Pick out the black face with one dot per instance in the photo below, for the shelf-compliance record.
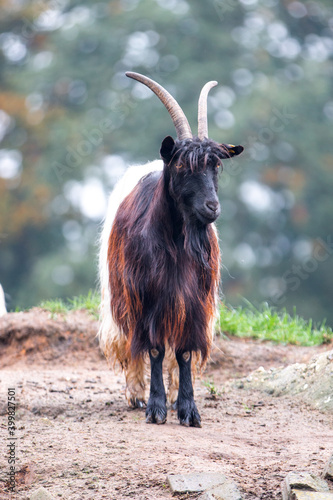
(193, 167)
(196, 192)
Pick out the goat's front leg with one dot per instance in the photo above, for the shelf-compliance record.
(187, 411)
(156, 412)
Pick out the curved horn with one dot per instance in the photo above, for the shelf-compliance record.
(202, 110)
(179, 119)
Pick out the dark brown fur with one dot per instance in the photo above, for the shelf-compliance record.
(164, 269)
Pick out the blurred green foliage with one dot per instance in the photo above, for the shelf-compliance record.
(70, 121)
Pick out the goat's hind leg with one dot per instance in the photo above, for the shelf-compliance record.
(187, 411)
(135, 383)
(156, 412)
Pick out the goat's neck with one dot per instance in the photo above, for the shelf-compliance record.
(164, 215)
(179, 234)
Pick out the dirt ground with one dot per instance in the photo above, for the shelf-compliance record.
(78, 439)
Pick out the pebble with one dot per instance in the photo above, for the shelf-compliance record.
(41, 494)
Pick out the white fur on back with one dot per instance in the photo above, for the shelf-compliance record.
(3, 309)
(108, 329)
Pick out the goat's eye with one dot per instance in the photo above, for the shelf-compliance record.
(217, 165)
(178, 166)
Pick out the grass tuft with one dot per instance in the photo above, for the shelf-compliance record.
(266, 323)
(212, 389)
(88, 302)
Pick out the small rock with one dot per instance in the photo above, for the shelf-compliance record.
(191, 483)
(310, 495)
(328, 473)
(54, 388)
(261, 369)
(302, 481)
(46, 421)
(41, 494)
(226, 491)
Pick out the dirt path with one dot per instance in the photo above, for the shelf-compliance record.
(77, 438)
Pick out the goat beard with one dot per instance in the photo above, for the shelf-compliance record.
(197, 242)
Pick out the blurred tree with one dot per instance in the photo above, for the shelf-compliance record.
(70, 121)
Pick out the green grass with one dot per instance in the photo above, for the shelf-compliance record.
(88, 302)
(266, 323)
(263, 323)
(212, 389)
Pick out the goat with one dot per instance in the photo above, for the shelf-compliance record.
(159, 263)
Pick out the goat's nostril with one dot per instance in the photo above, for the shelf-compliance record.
(212, 205)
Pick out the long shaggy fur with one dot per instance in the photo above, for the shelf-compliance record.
(161, 294)
(111, 338)
(159, 273)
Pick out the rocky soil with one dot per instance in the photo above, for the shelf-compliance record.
(75, 436)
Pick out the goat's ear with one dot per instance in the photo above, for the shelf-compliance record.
(232, 150)
(167, 147)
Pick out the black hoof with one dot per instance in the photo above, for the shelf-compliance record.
(156, 413)
(188, 414)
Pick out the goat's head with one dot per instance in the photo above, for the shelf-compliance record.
(191, 164)
(192, 168)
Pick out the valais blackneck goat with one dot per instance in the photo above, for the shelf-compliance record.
(159, 264)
